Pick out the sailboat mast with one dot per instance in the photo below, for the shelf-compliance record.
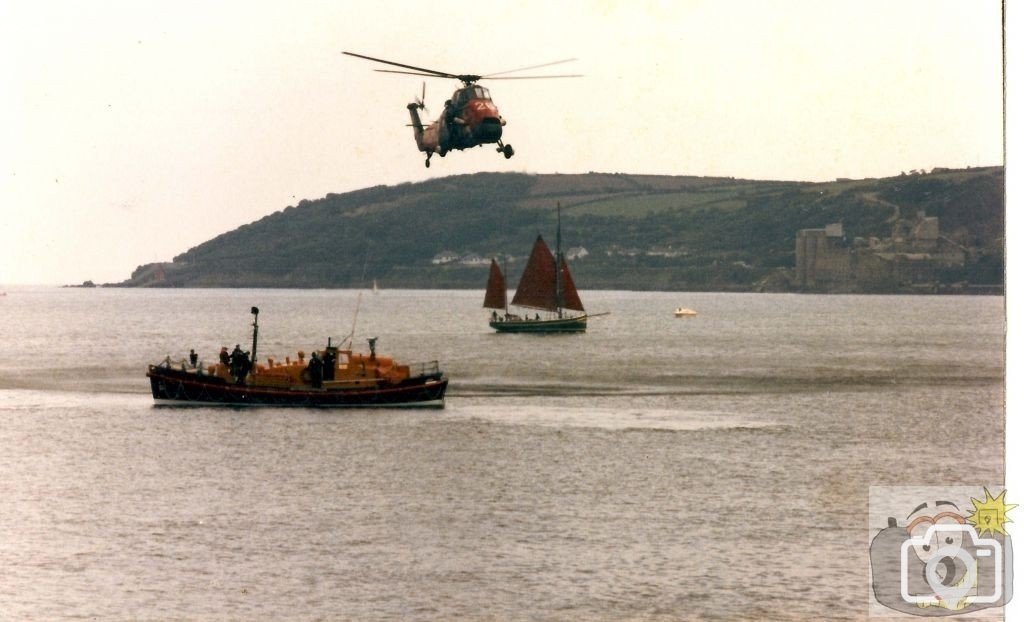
(504, 288)
(558, 259)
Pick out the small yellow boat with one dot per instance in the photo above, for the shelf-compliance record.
(682, 312)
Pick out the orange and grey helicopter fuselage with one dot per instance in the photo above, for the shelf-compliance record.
(470, 119)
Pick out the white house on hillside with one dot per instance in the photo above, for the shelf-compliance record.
(444, 257)
(576, 252)
(472, 259)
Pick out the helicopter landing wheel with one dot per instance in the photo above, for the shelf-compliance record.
(426, 162)
(508, 151)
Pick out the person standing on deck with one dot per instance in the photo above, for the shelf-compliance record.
(316, 370)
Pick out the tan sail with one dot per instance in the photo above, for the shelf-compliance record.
(570, 298)
(537, 285)
(497, 294)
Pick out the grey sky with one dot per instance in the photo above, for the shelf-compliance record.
(136, 130)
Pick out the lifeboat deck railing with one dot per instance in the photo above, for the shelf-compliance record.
(182, 364)
(426, 369)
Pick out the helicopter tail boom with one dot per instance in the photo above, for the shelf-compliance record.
(417, 125)
(426, 138)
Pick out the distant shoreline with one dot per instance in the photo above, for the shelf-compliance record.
(976, 290)
(922, 232)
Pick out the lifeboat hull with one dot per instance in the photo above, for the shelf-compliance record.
(177, 387)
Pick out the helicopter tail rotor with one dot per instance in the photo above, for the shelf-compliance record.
(419, 100)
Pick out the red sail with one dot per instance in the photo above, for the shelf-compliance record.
(570, 297)
(497, 294)
(537, 285)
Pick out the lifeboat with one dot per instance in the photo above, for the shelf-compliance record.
(682, 312)
(332, 377)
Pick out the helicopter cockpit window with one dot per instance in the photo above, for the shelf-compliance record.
(481, 93)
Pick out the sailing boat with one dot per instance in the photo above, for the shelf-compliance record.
(546, 285)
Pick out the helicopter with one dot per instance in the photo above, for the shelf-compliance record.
(470, 117)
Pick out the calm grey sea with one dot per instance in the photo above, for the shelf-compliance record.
(653, 468)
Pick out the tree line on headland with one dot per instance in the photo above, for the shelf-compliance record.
(673, 233)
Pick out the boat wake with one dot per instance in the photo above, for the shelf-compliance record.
(630, 419)
(743, 382)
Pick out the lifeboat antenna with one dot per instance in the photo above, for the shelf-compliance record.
(359, 298)
(355, 316)
(255, 331)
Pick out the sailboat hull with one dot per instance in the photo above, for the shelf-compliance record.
(558, 325)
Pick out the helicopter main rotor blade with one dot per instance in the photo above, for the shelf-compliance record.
(414, 73)
(573, 75)
(557, 62)
(388, 62)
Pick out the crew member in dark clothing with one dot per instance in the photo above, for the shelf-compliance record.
(193, 358)
(235, 363)
(316, 370)
(329, 360)
(449, 123)
(244, 367)
(224, 358)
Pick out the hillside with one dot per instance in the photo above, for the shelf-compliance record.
(639, 232)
